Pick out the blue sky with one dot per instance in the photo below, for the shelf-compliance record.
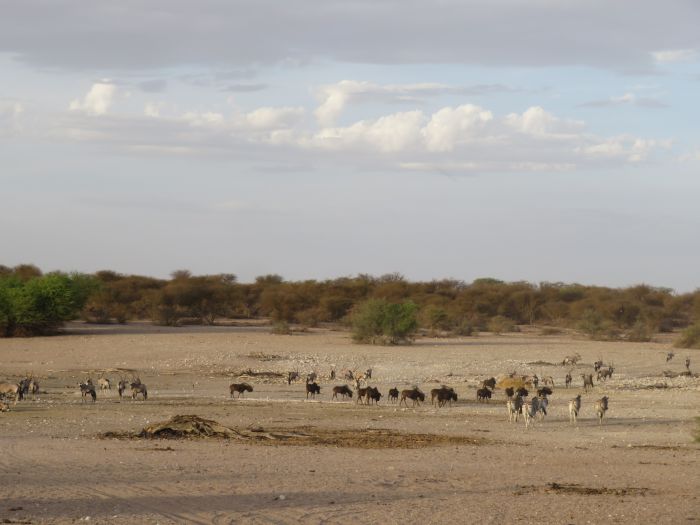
(541, 141)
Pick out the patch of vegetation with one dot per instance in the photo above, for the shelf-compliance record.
(696, 433)
(690, 338)
(501, 324)
(281, 328)
(550, 330)
(379, 321)
(640, 333)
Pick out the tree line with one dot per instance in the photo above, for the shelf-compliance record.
(35, 303)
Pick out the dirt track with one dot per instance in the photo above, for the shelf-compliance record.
(473, 466)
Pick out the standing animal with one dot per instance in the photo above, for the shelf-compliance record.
(11, 389)
(34, 387)
(348, 374)
(687, 364)
(601, 406)
(313, 389)
(535, 380)
(514, 405)
(310, 378)
(530, 410)
(361, 394)
(121, 387)
(87, 389)
(332, 374)
(241, 388)
(544, 403)
(483, 394)
(414, 394)
(373, 394)
(598, 365)
(394, 395)
(509, 392)
(548, 381)
(368, 373)
(587, 381)
(446, 396)
(344, 391)
(137, 387)
(435, 393)
(571, 359)
(605, 373)
(489, 383)
(522, 392)
(292, 376)
(567, 380)
(104, 384)
(669, 356)
(574, 408)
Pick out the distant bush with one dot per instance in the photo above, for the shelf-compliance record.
(378, 321)
(466, 329)
(550, 330)
(689, 338)
(640, 333)
(500, 325)
(280, 328)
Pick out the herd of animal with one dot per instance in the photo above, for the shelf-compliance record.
(517, 402)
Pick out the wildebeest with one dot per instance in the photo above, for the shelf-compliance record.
(567, 380)
(394, 395)
(687, 364)
(332, 374)
(445, 396)
(87, 389)
(373, 394)
(414, 394)
(544, 403)
(104, 383)
(11, 389)
(343, 390)
(535, 380)
(241, 388)
(544, 391)
(489, 383)
(522, 392)
(514, 405)
(483, 394)
(509, 392)
(605, 373)
(598, 365)
(121, 387)
(435, 391)
(311, 377)
(574, 408)
(601, 406)
(587, 381)
(361, 394)
(292, 376)
(137, 387)
(313, 389)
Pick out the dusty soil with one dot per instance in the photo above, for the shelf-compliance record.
(336, 461)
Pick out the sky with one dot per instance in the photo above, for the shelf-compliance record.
(541, 140)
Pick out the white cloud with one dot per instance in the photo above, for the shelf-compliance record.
(274, 117)
(674, 55)
(451, 126)
(537, 122)
(208, 118)
(98, 100)
(152, 109)
(627, 99)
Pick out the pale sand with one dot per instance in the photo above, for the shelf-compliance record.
(641, 465)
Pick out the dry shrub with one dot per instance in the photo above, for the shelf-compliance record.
(513, 382)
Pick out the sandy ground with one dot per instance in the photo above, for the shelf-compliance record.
(640, 466)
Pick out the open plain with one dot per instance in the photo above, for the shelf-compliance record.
(343, 462)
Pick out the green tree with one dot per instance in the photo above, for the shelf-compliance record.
(378, 321)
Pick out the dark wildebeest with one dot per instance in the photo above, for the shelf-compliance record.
(88, 389)
(509, 392)
(522, 392)
(435, 393)
(137, 387)
(483, 394)
(567, 380)
(373, 394)
(332, 374)
(313, 389)
(361, 394)
(605, 373)
(241, 388)
(292, 376)
(344, 391)
(535, 380)
(393, 395)
(489, 383)
(544, 391)
(446, 395)
(598, 365)
(514, 405)
(121, 387)
(414, 394)
(587, 381)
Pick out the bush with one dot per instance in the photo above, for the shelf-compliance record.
(281, 328)
(640, 333)
(500, 324)
(689, 338)
(378, 321)
(550, 330)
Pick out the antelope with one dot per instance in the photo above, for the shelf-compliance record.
(310, 378)
(104, 384)
(121, 387)
(313, 389)
(332, 374)
(292, 376)
(394, 395)
(604, 374)
(571, 359)
(348, 374)
(241, 388)
(598, 365)
(137, 387)
(87, 389)
(535, 380)
(687, 364)
(413, 394)
(547, 381)
(574, 408)
(587, 381)
(568, 379)
(601, 406)
(435, 393)
(361, 393)
(13, 389)
(446, 396)
(344, 391)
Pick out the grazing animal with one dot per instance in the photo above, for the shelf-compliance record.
(522, 392)
(544, 403)
(605, 373)
(11, 389)
(344, 391)
(544, 391)
(394, 395)
(292, 376)
(414, 394)
(669, 356)
(373, 394)
(104, 383)
(510, 391)
(446, 396)
(489, 383)
(571, 359)
(87, 389)
(361, 394)
(530, 410)
(310, 378)
(121, 387)
(313, 389)
(137, 387)
(598, 365)
(514, 405)
(601, 406)
(574, 408)
(483, 394)
(24, 386)
(587, 381)
(435, 393)
(241, 388)
(567, 380)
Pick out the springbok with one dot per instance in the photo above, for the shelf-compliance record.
(601, 406)
(241, 388)
(104, 384)
(11, 389)
(574, 408)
